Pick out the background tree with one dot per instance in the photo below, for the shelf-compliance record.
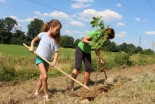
(67, 41)
(76, 42)
(148, 52)
(131, 49)
(18, 37)
(1, 25)
(113, 47)
(109, 46)
(9, 24)
(5, 37)
(11, 35)
(6, 27)
(1, 30)
(139, 49)
(123, 47)
(34, 28)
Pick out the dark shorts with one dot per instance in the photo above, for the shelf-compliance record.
(39, 60)
(82, 56)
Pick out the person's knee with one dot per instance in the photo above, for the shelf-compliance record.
(88, 70)
(43, 76)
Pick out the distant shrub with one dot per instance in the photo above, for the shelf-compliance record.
(25, 74)
(7, 73)
(10, 74)
(123, 59)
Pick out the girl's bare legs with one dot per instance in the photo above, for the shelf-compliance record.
(43, 79)
(39, 84)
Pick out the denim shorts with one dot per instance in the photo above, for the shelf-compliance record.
(39, 60)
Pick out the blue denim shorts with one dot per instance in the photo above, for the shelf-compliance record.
(39, 60)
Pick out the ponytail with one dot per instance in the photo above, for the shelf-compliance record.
(52, 23)
(45, 27)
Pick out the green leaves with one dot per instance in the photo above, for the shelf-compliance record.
(98, 39)
(101, 25)
(95, 22)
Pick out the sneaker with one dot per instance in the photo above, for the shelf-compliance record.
(46, 98)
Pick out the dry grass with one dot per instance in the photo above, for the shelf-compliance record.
(136, 86)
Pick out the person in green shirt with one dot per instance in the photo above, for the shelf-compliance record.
(83, 53)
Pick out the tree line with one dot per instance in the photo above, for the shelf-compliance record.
(11, 34)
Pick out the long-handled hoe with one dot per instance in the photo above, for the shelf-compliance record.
(59, 69)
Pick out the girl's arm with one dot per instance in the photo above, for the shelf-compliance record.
(33, 42)
(55, 58)
(86, 39)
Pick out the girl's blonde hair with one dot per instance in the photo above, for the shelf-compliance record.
(52, 23)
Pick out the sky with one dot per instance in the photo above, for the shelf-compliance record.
(132, 20)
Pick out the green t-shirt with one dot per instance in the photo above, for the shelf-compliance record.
(86, 47)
